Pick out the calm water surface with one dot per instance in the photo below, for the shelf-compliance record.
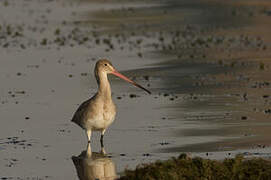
(48, 52)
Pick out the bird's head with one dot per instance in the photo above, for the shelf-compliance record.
(105, 66)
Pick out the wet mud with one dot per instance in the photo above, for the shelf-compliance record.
(206, 62)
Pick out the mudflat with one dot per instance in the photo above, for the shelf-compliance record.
(206, 62)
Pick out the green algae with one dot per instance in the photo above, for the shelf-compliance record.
(185, 168)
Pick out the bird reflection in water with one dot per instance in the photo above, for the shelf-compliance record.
(94, 166)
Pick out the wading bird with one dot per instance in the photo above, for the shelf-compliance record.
(97, 113)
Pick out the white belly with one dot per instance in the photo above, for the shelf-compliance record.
(100, 114)
(101, 121)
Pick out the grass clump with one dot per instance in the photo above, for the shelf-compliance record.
(185, 168)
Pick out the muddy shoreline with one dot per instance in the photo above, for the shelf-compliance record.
(206, 62)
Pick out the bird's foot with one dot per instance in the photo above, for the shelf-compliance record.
(103, 151)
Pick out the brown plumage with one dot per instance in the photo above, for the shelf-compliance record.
(97, 113)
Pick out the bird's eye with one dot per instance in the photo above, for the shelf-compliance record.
(105, 64)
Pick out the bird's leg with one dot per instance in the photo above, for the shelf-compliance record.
(88, 132)
(102, 138)
(88, 150)
(103, 151)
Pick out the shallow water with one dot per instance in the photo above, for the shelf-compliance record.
(198, 105)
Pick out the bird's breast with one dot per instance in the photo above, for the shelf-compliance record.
(101, 116)
(109, 111)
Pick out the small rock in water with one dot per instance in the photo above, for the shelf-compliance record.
(265, 96)
(146, 154)
(146, 78)
(84, 74)
(164, 143)
(133, 95)
(244, 118)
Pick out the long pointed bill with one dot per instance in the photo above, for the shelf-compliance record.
(116, 73)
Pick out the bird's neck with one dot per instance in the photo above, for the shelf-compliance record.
(104, 85)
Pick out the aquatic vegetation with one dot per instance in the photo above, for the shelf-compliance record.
(184, 167)
(261, 66)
